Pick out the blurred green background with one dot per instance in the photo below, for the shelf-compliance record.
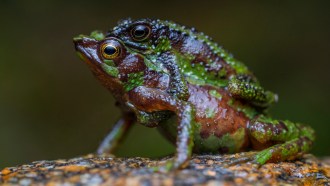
(52, 107)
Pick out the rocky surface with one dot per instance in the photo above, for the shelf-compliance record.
(203, 170)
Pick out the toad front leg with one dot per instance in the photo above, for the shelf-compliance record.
(243, 87)
(291, 139)
(116, 134)
(153, 100)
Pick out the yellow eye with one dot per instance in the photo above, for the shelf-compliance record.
(110, 51)
(140, 32)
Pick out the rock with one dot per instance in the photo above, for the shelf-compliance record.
(203, 170)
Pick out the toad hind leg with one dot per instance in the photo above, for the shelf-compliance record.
(290, 140)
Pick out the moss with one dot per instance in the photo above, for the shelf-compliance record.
(163, 45)
(285, 152)
(79, 37)
(249, 111)
(134, 80)
(210, 112)
(291, 133)
(215, 94)
(306, 131)
(111, 70)
(151, 62)
(109, 62)
(263, 156)
(98, 35)
(305, 147)
(264, 119)
(197, 74)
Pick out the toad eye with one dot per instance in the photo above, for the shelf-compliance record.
(140, 32)
(110, 51)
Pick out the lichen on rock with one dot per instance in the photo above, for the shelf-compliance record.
(202, 170)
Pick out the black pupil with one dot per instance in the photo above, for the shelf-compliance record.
(140, 31)
(110, 50)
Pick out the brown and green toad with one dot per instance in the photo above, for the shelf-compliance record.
(202, 99)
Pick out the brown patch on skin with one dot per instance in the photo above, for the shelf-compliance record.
(260, 146)
(175, 37)
(278, 129)
(204, 134)
(202, 53)
(226, 119)
(153, 79)
(132, 63)
(264, 141)
(151, 100)
(283, 126)
(263, 127)
(112, 84)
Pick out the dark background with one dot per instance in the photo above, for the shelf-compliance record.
(52, 107)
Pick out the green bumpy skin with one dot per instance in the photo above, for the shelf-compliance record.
(291, 139)
(198, 95)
